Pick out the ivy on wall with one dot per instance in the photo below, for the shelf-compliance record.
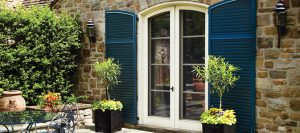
(38, 51)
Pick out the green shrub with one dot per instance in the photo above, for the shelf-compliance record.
(74, 99)
(218, 116)
(38, 51)
(107, 105)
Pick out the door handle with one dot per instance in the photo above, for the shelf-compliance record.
(172, 88)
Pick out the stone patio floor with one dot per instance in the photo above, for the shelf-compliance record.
(86, 129)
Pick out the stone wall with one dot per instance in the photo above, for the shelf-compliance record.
(278, 71)
(85, 117)
(92, 52)
(13, 3)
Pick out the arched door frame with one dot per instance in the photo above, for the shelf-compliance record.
(174, 8)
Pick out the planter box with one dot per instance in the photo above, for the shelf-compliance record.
(108, 121)
(210, 128)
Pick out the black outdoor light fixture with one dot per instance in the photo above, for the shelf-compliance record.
(91, 30)
(280, 19)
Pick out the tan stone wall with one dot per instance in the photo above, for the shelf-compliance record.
(278, 71)
(13, 3)
(92, 52)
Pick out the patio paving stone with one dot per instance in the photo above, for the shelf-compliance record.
(87, 129)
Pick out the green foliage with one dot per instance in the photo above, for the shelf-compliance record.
(219, 74)
(38, 51)
(1, 92)
(74, 99)
(218, 116)
(108, 73)
(107, 105)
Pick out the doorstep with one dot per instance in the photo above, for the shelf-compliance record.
(158, 129)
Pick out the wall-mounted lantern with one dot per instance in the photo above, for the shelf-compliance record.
(280, 19)
(91, 30)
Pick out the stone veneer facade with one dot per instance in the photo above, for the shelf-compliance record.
(13, 3)
(277, 69)
(92, 52)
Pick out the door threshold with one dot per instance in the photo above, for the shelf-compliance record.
(159, 129)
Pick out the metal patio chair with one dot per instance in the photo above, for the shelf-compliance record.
(65, 121)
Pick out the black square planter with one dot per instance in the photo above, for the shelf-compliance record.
(220, 128)
(108, 121)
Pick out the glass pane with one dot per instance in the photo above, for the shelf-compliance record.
(160, 25)
(192, 91)
(160, 51)
(190, 82)
(159, 89)
(193, 23)
(194, 50)
(160, 104)
(160, 77)
(193, 106)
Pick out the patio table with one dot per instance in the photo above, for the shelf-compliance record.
(30, 117)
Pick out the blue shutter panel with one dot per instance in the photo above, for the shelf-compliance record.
(232, 34)
(120, 29)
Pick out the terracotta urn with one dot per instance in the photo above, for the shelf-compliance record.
(12, 101)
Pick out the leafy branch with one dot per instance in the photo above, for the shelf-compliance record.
(219, 73)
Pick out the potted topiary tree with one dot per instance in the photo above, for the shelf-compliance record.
(219, 74)
(108, 115)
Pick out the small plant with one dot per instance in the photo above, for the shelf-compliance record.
(50, 100)
(108, 73)
(74, 99)
(219, 74)
(218, 116)
(107, 105)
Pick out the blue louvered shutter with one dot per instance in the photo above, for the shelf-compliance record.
(232, 34)
(120, 39)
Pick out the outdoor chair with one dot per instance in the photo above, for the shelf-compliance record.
(65, 121)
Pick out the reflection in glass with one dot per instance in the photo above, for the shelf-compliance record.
(160, 77)
(159, 69)
(193, 23)
(160, 25)
(192, 91)
(193, 105)
(193, 50)
(160, 104)
(160, 51)
(190, 82)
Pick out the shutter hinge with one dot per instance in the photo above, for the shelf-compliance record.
(138, 118)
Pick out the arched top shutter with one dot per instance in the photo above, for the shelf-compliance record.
(232, 34)
(120, 40)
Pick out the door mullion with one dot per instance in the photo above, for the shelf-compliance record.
(172, 64)
(177, 66)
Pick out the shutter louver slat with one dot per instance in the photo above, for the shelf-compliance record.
(232, 35)
(120, 29)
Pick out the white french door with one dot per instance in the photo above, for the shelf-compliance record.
(173, 41)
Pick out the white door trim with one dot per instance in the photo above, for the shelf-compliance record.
(183, 123)
(143, 71)
(173, 121)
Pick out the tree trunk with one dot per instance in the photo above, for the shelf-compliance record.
(220, 94)
(107, 94)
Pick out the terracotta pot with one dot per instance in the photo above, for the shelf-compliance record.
(12, 101)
